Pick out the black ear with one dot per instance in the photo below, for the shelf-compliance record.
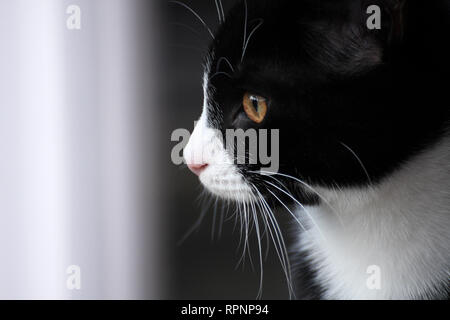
(345, 43)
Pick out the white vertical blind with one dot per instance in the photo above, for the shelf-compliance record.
(70, 144)
(33, 176)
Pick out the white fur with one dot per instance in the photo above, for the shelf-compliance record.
(401, 225)
(221, 177)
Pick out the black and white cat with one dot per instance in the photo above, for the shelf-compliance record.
(364, 151)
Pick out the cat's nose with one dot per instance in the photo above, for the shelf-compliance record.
(197, 168)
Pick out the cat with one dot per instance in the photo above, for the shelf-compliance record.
(364, 150)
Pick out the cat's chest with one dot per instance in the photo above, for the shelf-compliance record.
(386, 258)
(352, 261)
(391, 251)
(389, 241)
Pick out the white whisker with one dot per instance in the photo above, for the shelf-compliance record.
(213, 229)
(286, 207)
(359, 161)
(219, 13)
(261, 21)
(283, 254)
(270, 174)
(226, 60)
(195, 14)
(222, 11)
(197, 224)
(301, 205)
(247, 234)
(245, 25)
(255, 218)
(220, 73)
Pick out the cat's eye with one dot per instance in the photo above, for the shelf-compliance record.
(255, 107)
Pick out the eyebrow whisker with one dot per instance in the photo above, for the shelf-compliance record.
(195, 14)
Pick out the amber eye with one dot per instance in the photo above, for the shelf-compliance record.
(255, 107)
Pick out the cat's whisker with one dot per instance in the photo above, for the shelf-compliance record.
(277, 232)
(246, 158)
(247, 234)
(251, 226)
(195, 14)
(213, 228)
(219, 13)
(246, 245)
(265, 231)
(220, 73)
(245, 25)
(265, 213)
(287, 208)
(223, 213)
(241, 243)
(258, 235)
(244, 50)
(234, 216)
(301, 205)
(197, 224)
(241, 235)
(271, 174)
(359, 161)
(247, 38)
(220, 60)
(222, 11)
(282, 253)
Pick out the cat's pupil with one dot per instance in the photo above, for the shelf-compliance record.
(255, 104)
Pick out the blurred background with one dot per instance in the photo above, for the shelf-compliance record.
(90, 93)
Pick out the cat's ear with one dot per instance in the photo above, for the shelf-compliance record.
(360, 36)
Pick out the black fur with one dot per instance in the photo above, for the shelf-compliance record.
(330, 82)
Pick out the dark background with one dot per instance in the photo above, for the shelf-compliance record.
(202, 267)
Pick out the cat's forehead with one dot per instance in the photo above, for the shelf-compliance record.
(264, 38)
(257, 56)
(251, 32)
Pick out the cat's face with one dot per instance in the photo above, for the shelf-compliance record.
(315, 72)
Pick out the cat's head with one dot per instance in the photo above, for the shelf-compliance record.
(337, 89)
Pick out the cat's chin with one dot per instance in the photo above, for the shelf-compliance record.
(238, 196)
(229, 187)
(232, 186)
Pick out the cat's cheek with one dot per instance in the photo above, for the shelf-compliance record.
(220, 175)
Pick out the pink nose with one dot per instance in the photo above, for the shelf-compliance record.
(197, 168)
